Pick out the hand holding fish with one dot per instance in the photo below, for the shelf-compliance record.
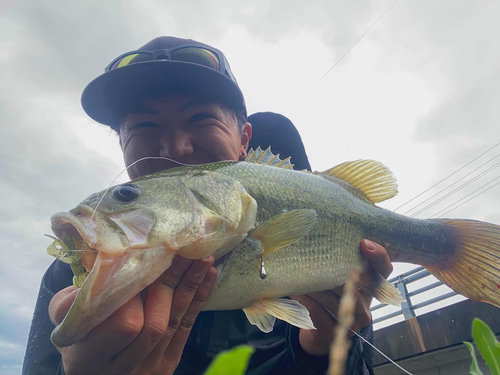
(275, 232)
(142, 336)
(317, 342)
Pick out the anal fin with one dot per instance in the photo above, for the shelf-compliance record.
(260, 318)
(263, 313)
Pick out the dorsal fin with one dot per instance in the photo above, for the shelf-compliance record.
(267, 158)
(371, 177)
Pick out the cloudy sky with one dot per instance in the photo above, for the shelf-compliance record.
(419, 92)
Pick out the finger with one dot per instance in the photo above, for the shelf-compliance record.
(111, 336)
(173, 275)
(362, 302)
(176, 346)
(198, 300)
(378, 257)
(157, 309)
(60, 304)
(316, 341)
(366, 297)
(320, 314)
(184, 295)
(362, 315)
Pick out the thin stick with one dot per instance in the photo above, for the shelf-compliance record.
(340, 345)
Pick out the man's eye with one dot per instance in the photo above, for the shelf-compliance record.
(143, 125)
(200, 117)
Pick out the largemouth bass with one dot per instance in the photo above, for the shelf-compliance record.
(273, 231)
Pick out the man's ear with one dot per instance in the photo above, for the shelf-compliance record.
(246, 135)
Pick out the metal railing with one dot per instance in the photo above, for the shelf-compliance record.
(407, 307)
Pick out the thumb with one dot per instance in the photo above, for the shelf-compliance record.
(377, 256)
(60, 304)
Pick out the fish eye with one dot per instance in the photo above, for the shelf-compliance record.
(126, 192)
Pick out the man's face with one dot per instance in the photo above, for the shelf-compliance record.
(182, 129)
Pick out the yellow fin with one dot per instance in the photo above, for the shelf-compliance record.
(371, 177)
(375, 284)
(267, 158)
(263, 311)
(284, 229)
(260, 318)
(472, 267)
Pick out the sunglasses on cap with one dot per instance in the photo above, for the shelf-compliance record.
(194, 54)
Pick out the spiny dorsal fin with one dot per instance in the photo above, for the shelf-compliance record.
(371, 177)
(267, 158)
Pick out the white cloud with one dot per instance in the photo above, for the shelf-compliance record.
(417, 93)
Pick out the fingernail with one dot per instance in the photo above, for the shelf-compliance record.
(372, 246)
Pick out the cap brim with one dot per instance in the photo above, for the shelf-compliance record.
(107, 97)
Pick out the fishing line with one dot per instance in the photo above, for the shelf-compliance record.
(135, 162)
(204, 240)
(368, 342)
(458, 170)
(119, 174)
(362, 36)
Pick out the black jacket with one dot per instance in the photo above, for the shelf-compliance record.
(277, 352)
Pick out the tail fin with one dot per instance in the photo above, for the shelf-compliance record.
(473, 267)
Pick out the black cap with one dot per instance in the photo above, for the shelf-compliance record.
(107, 97)
(277, 131)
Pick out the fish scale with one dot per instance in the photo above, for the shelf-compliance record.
(303, 229)
(325, 256)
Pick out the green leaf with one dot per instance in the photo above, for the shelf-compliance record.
(232, 362)
(488, 346)
(474, 368)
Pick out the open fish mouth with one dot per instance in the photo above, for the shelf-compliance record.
(97, 231)
(117, 270)
(71, 247)
(126, 245)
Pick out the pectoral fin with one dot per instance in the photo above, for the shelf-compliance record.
(284, 229)
(263, 313)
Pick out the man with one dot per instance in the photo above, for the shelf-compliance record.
(177, 99)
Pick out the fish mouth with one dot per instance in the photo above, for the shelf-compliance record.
(118, 269)
(72, 233)
(97, 231)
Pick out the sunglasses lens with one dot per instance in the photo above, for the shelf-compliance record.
(196, 55)
(131, 59)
